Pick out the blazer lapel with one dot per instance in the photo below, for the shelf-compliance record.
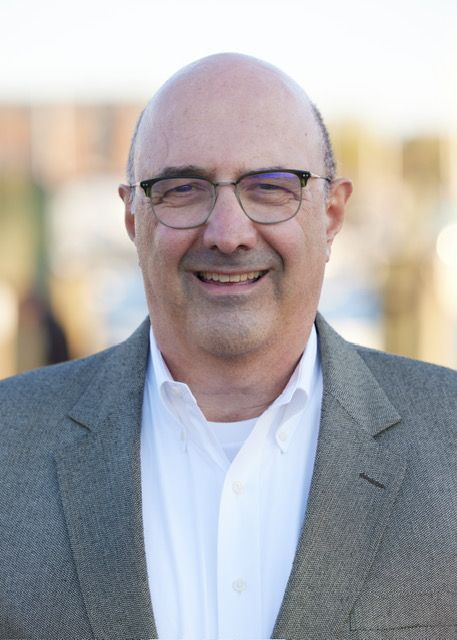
(354, 486)
(100, 485)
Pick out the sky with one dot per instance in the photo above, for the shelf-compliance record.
(392, 63)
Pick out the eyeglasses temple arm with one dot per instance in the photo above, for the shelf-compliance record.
(314, 175)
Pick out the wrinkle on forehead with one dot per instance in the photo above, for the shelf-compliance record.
(226, 87)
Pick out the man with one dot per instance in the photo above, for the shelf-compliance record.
(254, 475)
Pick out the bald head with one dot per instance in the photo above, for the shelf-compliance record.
(220, 121)
(225, 87)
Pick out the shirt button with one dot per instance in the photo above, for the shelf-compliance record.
(239, 585)
(282, 435)
(238, 487)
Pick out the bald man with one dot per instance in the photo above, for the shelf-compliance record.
(235, 469)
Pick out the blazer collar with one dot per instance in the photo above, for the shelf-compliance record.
(354, 486)
(100, 484)
(350, 382)
(118, 384)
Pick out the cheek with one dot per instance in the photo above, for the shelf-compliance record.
(147, 233)
(314, 235)
(160, 249)
(304, 254)
(301, 243)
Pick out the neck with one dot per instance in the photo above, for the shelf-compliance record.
(235, 388)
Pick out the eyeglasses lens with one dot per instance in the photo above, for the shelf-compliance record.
(265, 197)
(182, 202)
(270, 197)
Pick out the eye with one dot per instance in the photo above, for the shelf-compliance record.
(175, 192)
(268, 186)
(273, 188)
(265, 189)
(175, 187)
(274, 182)
(182, 188)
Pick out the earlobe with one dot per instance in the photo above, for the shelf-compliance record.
(125, 193)
(340, 192)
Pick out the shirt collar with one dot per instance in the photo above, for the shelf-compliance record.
(303, 383)
(292, 399)
(303, 375)
(158, 374)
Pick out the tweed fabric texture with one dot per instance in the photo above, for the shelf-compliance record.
(377, 557)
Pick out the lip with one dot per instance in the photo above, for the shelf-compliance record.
(230, 281)
(228, 278)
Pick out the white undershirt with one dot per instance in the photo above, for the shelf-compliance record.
(232, 435)
(222, 514)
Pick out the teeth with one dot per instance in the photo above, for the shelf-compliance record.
(230, 277)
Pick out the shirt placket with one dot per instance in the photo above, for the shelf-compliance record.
(239, 544)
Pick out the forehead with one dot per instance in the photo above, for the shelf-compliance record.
(228, 121)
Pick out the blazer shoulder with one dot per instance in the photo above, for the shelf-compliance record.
(68, 380)
(38, 400)
(421, 390)
(41, 390)
(406, 382)
(408, 370)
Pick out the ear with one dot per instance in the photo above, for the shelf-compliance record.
(340, 192)
(126, 194)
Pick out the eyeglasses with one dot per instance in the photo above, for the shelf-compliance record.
(266, 197)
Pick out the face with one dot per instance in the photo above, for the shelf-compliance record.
(233, 287)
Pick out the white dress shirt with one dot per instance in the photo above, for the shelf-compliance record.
(222, 514)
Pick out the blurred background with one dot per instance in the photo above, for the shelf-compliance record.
(73, 79)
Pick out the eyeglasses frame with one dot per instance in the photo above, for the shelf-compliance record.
(304, 176)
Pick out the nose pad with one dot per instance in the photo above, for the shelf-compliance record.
(232, 195)
(228, 227)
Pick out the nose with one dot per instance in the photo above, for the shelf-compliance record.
(228, 227)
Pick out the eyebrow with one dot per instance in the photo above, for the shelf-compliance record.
(185, 170)
(192, 170)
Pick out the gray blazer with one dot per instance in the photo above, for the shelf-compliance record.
(377, 557)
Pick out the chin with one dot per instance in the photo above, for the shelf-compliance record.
(234, 341)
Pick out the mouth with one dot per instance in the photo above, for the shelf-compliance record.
(246, 277)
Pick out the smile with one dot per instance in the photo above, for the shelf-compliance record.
(236, 278)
